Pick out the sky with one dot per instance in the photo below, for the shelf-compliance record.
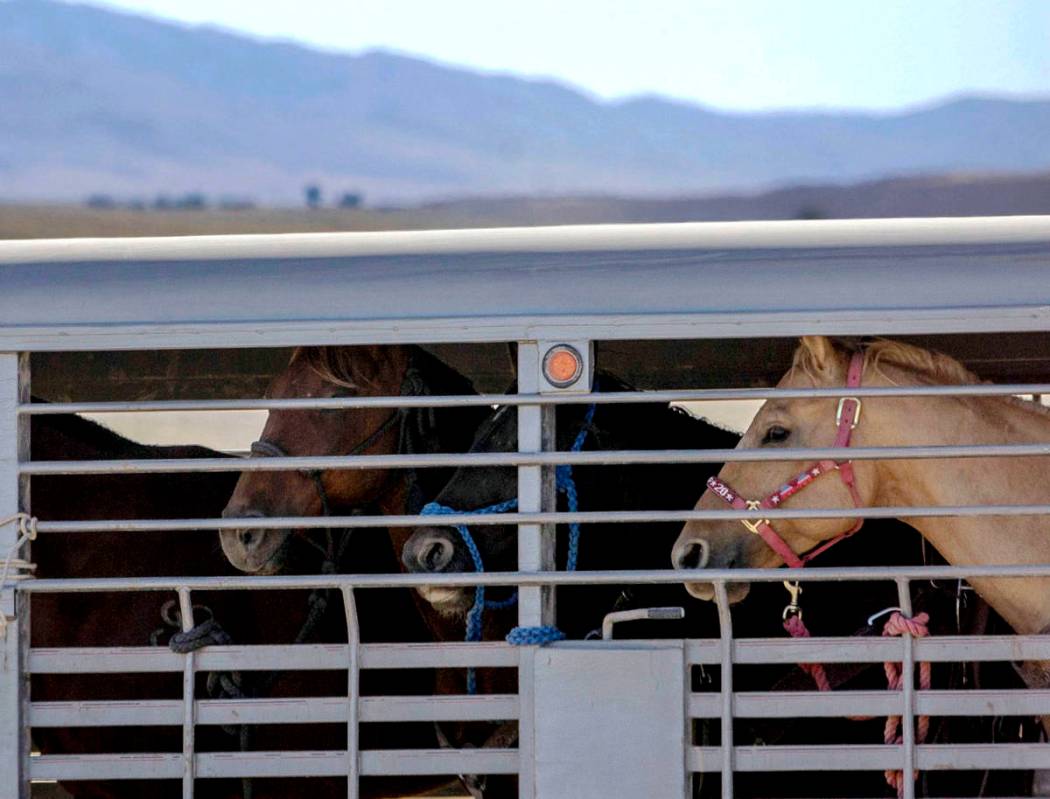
(731, 54)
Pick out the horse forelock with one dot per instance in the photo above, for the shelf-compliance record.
(335, 365)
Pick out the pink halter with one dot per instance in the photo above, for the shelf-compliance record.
(846, 418)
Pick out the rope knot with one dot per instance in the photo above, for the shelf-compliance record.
(534, 636)
(917, 626)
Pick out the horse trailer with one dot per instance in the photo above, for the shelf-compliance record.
(316, 679)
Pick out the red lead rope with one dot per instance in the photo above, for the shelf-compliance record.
(847, 416)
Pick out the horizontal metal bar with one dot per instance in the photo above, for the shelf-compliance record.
(489, 459)
(874, 757)
(938, 649)
(934, 649)
(497, 519)
(289, 657)
(642, 576)
(620, 238)
(817, 704)
(496, 654)
(474, 400)
(133, 713)
(374, 763)
(159, 766)
(439, 761)
(298, 710)
(501, 707)
(273, 764)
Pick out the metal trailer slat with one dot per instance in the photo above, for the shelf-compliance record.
(400, 762)
(526, 459)
(499, 707)
(544, 517)
(873, 757)
(299, 657)
(525, 398)
(296, 710)
(816, 704)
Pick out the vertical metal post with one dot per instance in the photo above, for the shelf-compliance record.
(189, 717)
(908, 699)
(353, 679)
(725, 632)
(14, 648)
(535, 548)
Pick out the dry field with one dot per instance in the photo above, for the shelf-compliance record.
(71, 221)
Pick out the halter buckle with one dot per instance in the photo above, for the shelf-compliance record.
(856, 411)
(754, 504)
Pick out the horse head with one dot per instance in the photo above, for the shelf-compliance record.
(438, 549)
(317, 372)
(822, 422)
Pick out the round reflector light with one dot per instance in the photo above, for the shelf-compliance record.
(562, 366)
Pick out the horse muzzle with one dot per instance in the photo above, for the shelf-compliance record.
(252, 550)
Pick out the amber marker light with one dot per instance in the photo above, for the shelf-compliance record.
(562, 366)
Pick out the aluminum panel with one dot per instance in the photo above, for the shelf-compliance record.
(610, 721)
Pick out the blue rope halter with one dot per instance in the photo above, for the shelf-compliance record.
(519, 636)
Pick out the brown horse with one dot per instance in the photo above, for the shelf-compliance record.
(119, 619)
(355, 371)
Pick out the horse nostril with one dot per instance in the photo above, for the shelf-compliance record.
(246, 537)
(436, 554)
(694, 554)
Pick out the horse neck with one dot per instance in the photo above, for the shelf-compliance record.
(641, 426)
(975, 540)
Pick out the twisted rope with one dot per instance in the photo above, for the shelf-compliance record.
(565, 483)
(917, 627)
(896, 624)
(476, 614)
(26, 532)
(519, 636)
(535, 636)
(797, 629)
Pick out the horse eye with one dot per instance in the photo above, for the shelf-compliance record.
(776, 434)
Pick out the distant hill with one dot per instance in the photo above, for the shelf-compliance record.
(926, 195)
(956, 195)
(98, 101)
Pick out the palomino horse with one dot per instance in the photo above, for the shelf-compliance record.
(885, 421)
(384, 615)
(832, 609)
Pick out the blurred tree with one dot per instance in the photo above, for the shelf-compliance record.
(351, 199)
(101, 201)
(810, 212)
(313, 195)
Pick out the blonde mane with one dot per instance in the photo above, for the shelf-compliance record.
(927, 365)
(821, 361)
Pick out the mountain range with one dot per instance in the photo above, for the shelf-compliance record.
(96, 101)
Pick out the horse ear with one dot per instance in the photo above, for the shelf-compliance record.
(821, 351)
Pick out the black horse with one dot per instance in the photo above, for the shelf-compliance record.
(831, 609)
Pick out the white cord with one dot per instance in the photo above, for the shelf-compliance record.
(26, 533)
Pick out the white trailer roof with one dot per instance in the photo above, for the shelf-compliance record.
(739, 279)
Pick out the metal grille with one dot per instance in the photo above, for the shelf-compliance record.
(718, 708)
